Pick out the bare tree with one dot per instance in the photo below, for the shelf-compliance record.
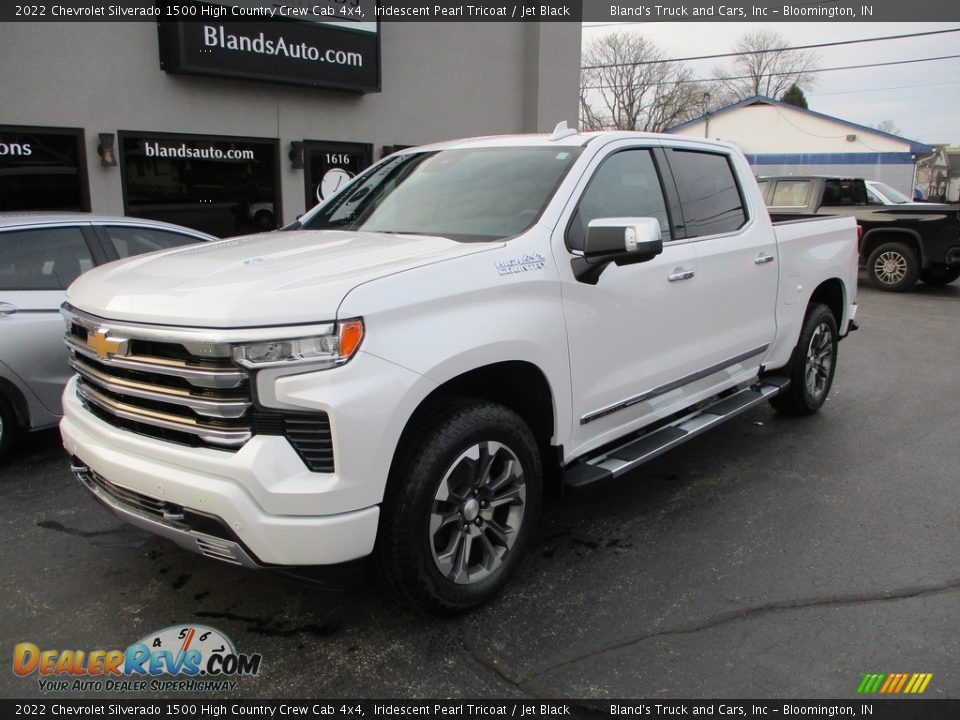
(764, 66)
(626, 83)
(888, 126)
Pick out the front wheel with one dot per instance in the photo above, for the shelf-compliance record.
(939, 275)
(893, 266)
(462, 502)
(813, 364)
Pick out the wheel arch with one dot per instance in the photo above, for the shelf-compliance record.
(517, 384)
(832, 294)
(12, 395)
(872, 239)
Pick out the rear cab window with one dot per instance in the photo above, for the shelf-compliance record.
(839, 192)
(710, 195)
(792, 194)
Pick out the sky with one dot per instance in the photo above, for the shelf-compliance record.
(922, 99)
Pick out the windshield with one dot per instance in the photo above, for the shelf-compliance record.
(894, 196)
(465, 194)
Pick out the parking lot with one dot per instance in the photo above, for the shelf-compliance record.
(773, 557)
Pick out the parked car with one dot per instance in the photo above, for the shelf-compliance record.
(879, 193)
(459, 325)
(40, 255)
(901, 243)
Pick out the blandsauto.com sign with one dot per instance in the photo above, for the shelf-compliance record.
(319, 53)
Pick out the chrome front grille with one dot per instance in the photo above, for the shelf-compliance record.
(189, 392)
(181, 385)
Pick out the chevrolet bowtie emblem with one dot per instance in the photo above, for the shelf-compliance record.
(104, 346)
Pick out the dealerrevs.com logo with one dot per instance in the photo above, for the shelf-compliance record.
(182, 658)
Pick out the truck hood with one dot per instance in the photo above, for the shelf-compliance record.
(278, 278)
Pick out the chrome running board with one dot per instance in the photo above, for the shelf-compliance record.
(639, 449)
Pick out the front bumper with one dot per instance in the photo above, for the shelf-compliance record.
(262, 495)
(170, 522)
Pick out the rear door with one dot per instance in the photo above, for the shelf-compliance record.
(36, 266)
(633, 335)
(737, 259)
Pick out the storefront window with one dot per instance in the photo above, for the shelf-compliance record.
(221, 185)
(42, 169)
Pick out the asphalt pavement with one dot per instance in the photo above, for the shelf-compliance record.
(771, 558)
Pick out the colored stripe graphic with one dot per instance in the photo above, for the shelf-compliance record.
(894, 683)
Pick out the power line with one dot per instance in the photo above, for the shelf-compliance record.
(761, 52)
(778, 74)
(881, 89)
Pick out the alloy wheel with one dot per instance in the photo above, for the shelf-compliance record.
(819, 361)
(477, 512)
(890, 267)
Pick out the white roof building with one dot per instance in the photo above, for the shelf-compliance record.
(783, 139)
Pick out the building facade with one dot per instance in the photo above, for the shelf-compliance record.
(232, 127)
(783, 139)
(938, 174)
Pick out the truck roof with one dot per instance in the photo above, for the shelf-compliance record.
(808, 177)
(574, 139)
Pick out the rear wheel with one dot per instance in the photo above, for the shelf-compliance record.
(812, 365)
(462, 502)
(939, 275)
(8, 425)
(893, 266)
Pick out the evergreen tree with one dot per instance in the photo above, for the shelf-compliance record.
(794, 96)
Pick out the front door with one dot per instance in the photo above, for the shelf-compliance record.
(36, 266)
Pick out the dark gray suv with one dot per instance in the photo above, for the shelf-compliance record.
(40, 255)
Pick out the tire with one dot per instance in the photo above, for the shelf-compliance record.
(8, 425)
(939, 275)
(893, 266)
(812, 365)
(449, 535)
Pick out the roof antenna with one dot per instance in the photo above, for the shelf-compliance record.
(561, 131)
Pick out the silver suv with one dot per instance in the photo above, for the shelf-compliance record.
(40, 255)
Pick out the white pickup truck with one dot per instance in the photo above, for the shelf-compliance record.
(401, 372)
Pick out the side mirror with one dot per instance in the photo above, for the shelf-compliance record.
(609, 238)
(623, 241)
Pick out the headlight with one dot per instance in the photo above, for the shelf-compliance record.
(322, 351)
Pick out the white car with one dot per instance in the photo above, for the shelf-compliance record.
(879, 193)
(459, 325)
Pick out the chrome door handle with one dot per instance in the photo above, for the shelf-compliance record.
(680, 274)
(763, 259)
(6, 309)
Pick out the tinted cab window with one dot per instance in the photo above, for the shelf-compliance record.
(709, 194)
(625, 185)
(839, 192)
(42, 259)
